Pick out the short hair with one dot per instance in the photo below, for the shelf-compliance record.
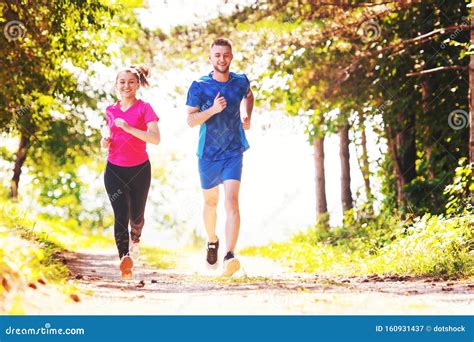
(221, 42)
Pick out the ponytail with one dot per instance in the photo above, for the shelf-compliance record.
(143, 74)
(141, 71)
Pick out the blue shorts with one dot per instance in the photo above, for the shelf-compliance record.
(213, 173)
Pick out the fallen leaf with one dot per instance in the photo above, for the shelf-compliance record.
(75, 297)
(6, 285)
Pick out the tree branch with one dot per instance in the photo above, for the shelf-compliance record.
(361, 4)
(442, 68)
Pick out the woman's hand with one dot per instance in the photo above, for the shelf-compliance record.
(105, 142)
(121, 123)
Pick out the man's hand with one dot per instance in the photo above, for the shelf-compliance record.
(246, 122)
(219, 104)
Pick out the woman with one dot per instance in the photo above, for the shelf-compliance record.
(132, 123)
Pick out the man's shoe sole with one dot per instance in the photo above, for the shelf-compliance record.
(126, 266)
(231, 267)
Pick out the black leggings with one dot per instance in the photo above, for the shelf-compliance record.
(127, 188)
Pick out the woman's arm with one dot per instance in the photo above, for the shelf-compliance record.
(152, 135)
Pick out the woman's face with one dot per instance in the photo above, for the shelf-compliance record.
(127, 84)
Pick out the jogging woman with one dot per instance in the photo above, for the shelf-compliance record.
(132, 123)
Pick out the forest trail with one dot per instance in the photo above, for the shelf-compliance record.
(261, 287)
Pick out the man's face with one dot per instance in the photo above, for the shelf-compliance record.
(220, 57)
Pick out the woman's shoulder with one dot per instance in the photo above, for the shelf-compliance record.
(143, 102)
(144, 105)
(111, 107)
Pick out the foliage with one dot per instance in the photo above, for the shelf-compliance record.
(431, 246)
(326, 62)
(388, 243)
(157, 257)
(30, 253)
(458, 191)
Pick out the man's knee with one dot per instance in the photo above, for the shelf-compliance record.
(232, 204)
(211, 202)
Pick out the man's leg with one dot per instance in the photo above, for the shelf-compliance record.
(211, 197)
(232, 224)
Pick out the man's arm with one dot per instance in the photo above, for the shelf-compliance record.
(195, 117)
(246, 106)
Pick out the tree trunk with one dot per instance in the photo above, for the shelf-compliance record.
(402, 146)
(19, 161)
(471, 106)
(346, 195)
(426, 99)
(430, 134)
(321, 203)
(364, 163)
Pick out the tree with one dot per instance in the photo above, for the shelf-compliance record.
(471, 104)
(346, 194)
(400, 62)
(50, 48)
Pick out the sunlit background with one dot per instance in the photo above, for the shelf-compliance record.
(277, 193)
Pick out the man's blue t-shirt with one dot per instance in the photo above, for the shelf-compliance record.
(222, 135)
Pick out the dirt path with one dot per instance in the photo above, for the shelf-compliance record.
(263, 287)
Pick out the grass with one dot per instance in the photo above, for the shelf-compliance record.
(430, 246)
(157, 257)
(30, 253)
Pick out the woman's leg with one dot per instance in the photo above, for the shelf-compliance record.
(115, 184)
(139, 186)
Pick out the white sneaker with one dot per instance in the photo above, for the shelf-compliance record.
(134, 250)
(231, 266)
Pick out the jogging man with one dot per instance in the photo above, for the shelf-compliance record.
(214, 101)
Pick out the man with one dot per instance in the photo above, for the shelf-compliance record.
(214, 102)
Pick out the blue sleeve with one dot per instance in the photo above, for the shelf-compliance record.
(247, 88)
(194, 95)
